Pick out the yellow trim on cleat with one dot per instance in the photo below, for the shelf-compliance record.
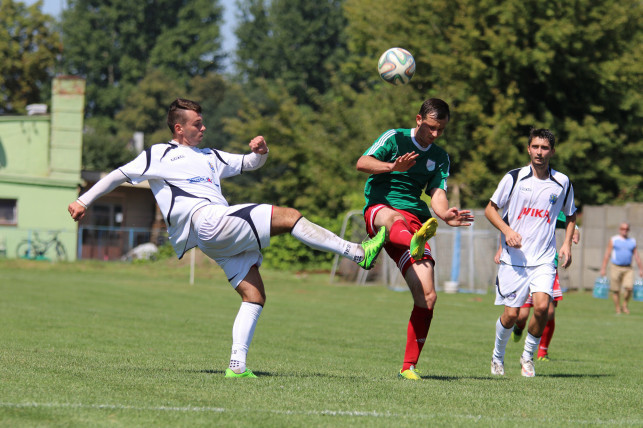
(426, 232)
(410, 374)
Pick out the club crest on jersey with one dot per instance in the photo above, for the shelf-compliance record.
(553, 198)
(211, 166)
(430, 165)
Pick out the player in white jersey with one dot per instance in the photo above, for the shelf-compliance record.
(531, 198)
(186, 182)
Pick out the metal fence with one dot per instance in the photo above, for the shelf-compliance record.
(114, 243)
(463, 255)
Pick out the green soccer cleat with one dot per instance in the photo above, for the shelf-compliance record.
(231, 374)
(410, 374)
(426, 232)
(372, 248)
(516, 334)
(544, 358)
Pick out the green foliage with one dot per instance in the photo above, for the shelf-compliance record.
(191, 46)
(112, 43)
(137, 57)
(102, 150)
(289, 254)
(506, 66)
(220, 99)
(29, 44)
(145, 108)
(166, 252)
(305, 170)
(296, 41)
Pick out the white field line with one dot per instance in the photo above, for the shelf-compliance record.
(371, 414)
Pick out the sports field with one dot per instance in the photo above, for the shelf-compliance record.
(122, 345)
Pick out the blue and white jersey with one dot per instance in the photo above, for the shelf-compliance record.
(530, 207)
(183, 179)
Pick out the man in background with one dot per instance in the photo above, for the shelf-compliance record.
(620, 251)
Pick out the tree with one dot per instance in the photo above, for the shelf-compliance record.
(305, 171)
(297, 41)
(29, 44)
(129, 51)
(505, 66)
(146, 107)
(112, 43)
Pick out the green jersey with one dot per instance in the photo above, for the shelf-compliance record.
(402, 190)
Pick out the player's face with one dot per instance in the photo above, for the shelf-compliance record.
(540, 152)
(192, 129)
(429, 129)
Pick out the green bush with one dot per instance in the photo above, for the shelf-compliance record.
(288, 254)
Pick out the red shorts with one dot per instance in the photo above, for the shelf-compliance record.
(401, 256)
(558, 294)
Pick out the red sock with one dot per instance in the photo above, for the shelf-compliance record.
(400, 234)
(548, 332)
(416, 333)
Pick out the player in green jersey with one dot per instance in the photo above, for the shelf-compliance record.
(402, 164)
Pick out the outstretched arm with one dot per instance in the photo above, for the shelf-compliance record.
(371, 165)
(78, 208)
(451, 216)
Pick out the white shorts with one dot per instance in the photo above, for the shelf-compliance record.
(234, 236)
(515, 284)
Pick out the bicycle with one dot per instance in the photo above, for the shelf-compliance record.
(38, 249)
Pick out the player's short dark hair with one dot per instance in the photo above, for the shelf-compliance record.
(175, 113)
(543, 133)
(436, 108)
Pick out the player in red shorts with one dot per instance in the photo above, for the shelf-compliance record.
(402, 164)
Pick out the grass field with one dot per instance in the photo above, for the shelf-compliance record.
(110, 344)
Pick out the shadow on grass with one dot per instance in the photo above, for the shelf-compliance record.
(558, 375)
(572, 375)
(454, 378)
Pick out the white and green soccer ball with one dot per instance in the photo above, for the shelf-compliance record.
(396, 66)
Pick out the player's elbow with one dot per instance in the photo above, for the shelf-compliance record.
(489, 211)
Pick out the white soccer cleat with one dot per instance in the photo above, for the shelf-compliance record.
(527, 366)
(497, 368)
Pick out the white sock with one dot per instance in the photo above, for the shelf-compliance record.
(531, 344)
(242, 332)
(502, 337)
(321, 239)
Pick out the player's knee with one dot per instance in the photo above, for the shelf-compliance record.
(541, 311)
(430, 298)
(283, 220)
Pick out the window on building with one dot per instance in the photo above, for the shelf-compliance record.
(9, 211)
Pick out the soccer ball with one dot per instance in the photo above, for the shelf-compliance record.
(396, 66)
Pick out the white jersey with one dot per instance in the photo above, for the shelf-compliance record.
(183, 179)
(530, 207)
